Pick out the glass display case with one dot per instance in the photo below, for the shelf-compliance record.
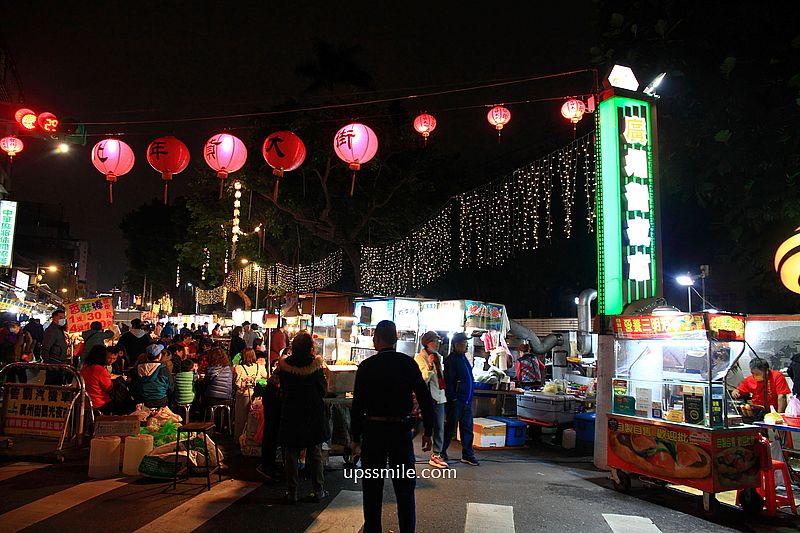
(678, 368)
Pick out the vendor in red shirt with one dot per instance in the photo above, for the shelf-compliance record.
(777, 387)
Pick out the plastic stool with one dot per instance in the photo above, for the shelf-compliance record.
(196, 427)
(773, 500)
(186, 407)
(226, 408)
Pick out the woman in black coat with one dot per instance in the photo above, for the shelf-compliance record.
(303, 421)
(237, 343)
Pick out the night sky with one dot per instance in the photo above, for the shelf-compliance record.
(153, 60)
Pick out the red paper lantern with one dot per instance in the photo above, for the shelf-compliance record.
(225, 154)
(283, 151)
(47, 122)
(26, 118)
(169, 156)
(113, 158)
(355, 144)
(425, 124)
(11, 145)
(573, 110)
(498, 117)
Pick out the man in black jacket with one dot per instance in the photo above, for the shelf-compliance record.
(381, 423)
(135, 340)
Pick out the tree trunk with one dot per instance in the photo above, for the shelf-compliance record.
(246, 299)
(353, 253)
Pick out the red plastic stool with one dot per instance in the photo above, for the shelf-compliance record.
(772, 500)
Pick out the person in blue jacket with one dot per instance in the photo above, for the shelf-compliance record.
(458, 390)
(152, 381)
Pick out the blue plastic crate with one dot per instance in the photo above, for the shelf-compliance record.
(584, 426)
(516, 430)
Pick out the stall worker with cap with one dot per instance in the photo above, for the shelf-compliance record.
(762, 378)
(431, 367)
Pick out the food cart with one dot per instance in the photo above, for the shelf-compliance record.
(672, 419)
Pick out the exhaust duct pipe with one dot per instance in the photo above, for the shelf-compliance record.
(538, 346)
(585, 321)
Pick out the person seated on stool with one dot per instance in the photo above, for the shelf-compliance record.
(776, 386)
(218, 388)
(152, 381)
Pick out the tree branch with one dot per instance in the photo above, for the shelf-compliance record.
(368, 213)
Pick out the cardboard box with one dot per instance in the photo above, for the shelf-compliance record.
(488, 433)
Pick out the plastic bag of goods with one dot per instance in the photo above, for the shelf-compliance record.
(773, 417)
(792, 415)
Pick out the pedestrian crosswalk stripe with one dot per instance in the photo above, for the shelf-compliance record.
(620, 523)
(200, 509)
(483, 517)
(16, 469)
(51, 505)
(343, 515)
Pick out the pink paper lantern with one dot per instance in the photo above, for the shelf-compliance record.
(113, 158)
(225, 154)
(425, 124)
(355, 144)
(11, 145)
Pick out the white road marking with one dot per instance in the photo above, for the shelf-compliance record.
(197, 511)
(483, 517)
(15, 469)
(344, 514)
(34, 512)
(620, 523)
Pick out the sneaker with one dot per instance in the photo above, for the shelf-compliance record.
(470, 461)
(437, 461)
(319, 495)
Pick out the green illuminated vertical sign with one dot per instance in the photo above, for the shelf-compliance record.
(627, 254)
(8, 220)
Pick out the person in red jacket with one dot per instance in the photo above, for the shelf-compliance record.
(97, 380)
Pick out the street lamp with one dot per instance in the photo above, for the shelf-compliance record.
(244, 261)
(687, 281)
(64, 290)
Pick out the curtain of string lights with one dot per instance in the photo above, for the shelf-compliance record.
(490, 223)
(412, 262)
(291, 279)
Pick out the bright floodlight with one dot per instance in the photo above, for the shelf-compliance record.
(623, 78)
(651, 89)
(685, 280)
(577, 300)
(63, 148)
(712, 311)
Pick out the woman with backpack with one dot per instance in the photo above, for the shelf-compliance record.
(246, 375)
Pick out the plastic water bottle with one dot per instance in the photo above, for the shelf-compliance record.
(568, 439)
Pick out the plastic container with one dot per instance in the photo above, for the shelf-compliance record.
(552, 408)
(793, 421)
(135, 449)
(516, 430)
(568, 439)
(104, 456)
(584, 426)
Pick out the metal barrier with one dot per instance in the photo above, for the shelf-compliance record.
(27, 413)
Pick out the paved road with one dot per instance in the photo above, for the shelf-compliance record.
(533, 489)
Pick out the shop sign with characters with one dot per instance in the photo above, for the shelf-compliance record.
(484, 316)
(684, 326)
(35, 410)
(709, 461)
(80, 315)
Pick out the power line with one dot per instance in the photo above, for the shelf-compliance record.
(343, 105)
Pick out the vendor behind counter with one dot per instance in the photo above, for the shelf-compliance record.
(776, 386)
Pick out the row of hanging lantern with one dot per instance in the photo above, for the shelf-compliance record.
(284, 151)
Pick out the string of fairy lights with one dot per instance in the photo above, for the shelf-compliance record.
(291, 279)
(490, 223)
(412, 262)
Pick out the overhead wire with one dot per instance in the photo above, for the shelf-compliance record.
(340, 105)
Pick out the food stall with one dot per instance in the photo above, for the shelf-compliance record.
(404, 312)
(672, 418)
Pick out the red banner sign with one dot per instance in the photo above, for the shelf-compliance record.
(80, 315)
(660, 327)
